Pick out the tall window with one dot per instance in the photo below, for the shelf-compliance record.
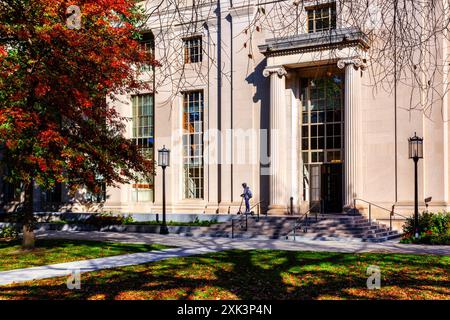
(54, 195)
(193, 50)
(143, 137)
(10, 193)
(148, 46)
(147, 43)
(193, 109)
(322, 18)
(97, 197)
(322, 123)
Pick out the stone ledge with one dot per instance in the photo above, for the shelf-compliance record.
(314, 41)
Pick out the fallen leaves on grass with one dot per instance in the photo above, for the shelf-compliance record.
(253, 275)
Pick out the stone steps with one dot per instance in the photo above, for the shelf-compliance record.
(376, 234)
(335, 226)
(353, 226)
(338, 226)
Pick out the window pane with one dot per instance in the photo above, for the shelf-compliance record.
(325, 126)
(193, 50)
(310, 26)
(305, 144)
(143, 137)
(322, 18)
(193, 145)
(305, 131)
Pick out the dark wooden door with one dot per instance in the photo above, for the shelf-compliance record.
(331, 187)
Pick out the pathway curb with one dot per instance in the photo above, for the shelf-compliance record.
(65, 269)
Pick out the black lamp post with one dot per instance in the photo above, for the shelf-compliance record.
(416, 153)
(164, 162)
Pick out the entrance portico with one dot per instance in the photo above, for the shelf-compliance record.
(288, 61)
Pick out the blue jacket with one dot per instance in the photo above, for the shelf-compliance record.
(247, 193)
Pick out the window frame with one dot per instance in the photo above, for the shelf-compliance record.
(147, 45)
(145, 142)
(193, 144)
(315, 122)
(100, 197)
(332, 17)
(189, 46)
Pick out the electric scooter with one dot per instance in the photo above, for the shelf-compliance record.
(240, 206)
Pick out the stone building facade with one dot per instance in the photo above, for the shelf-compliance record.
(290, 111)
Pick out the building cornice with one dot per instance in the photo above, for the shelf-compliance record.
(334, 39)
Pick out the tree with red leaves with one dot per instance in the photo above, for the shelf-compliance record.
(58, 70)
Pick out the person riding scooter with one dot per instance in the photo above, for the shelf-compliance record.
(246, 195)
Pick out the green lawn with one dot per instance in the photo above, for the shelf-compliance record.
(257, 274)
(57, 251)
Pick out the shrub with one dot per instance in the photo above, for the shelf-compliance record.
(433, 229)
(106, 219)
(425, 222)
(8, 233)
(128, 220)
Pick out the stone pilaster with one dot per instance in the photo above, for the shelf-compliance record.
(352, 132)
(278, 142)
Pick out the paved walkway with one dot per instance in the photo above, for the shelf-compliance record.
(188, 246)
(65, 269)
(216, 243)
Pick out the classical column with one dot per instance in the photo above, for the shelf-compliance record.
(352, 133)
(278, 143)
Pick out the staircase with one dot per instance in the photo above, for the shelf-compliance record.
(346, 227)
(342, 227)
(265, 228)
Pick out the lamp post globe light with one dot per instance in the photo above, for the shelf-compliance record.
(164, 162)
(416, 152)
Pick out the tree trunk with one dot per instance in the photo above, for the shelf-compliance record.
(28, 219)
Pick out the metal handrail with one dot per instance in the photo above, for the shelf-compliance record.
(304, 217)
(240, 218)
(258, 209)
(392, 213)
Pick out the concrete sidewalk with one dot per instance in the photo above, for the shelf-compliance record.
(216, 243)
(188, 246)
(65, 269)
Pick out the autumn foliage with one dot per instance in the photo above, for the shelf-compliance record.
(57, 81)
(56, 89)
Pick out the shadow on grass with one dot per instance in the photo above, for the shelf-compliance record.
(50, 251)
(256, 274)
(49, 244)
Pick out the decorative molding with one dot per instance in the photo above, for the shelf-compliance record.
(280, 70)
(357, 63)
(241, 11)
(310, 42)
(211, 22)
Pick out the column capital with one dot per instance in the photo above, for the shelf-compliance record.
(280, 70)
(356, 62)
